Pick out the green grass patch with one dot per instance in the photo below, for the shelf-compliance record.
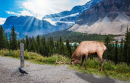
(120, 71)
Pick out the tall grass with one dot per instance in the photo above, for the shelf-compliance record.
(119, 71)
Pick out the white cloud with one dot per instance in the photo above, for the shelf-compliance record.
(10, 12)
(2, 21)
(21, 13)
(39, 8)
(25, 13)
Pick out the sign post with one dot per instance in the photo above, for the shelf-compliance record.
(21, 55)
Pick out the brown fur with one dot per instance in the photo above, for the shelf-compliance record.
(86, 48)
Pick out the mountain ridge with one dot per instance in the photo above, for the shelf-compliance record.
(106, 17)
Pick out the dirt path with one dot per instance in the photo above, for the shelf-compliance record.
(45, 74)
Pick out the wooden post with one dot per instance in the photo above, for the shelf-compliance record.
(21, 55)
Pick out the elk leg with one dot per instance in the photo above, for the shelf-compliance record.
(86, 62)
(100, 56)
(101, 64)
(82, 62)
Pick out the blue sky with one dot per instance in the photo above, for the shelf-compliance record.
(37, 8)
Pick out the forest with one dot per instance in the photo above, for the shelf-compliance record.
(48, 46)
(76, 36)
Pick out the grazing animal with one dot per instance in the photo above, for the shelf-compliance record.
(86, 48)
(22, 71)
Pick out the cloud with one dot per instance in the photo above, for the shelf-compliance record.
(2, 21)
(21, 13)
(39, 8)
(25, 13)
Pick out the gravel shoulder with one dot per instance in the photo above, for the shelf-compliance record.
(9, 73)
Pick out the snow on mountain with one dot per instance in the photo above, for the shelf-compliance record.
(69, 17)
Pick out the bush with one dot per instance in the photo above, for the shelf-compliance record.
(10, 53)
(109, 65)
(123, 68)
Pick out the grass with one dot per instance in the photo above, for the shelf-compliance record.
(120, 71)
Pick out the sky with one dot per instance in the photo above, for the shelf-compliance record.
(36, 8)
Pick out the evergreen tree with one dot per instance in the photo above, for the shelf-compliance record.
(13, 40)
(127, 47)
(61, 47)
(19, 44)
(27, 42)
(67, 44)
(33, 48)
(75, 46)
(2, 38)
(68, 48)
(7, 42)
(121, 50)
(43, 46)
(38, 44)
(61, 40)
(24, 42)
(43, 40)
(107, 41)
(116, 52)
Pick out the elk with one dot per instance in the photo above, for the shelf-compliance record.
(86, 48)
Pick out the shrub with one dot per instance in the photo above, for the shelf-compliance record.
(109, 65)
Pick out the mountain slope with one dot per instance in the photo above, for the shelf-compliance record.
(106, 17)
(72, 15)
(28, 25)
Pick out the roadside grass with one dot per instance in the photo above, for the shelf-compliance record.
(120, 71)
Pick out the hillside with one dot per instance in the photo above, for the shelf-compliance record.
(75, 36)
(70, 16)
(106, 17)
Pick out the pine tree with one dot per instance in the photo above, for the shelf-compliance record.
(126, 47)
(121, 50)
(61, 47)
(23, 41)
(2, 38)
(75, 46)
(68, 48)
(107, 41)
(43, 40)
(19, 44)
(38, 44)
(43, 46)
(33, 48)
(13, 39)
(116, 52)
(7, 42)
(27, 42)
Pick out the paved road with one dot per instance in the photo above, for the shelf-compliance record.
(45, 74)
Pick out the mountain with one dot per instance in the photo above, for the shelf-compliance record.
(29, 25)
(106, 17)
(69, 17)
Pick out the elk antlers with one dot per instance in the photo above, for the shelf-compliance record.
(62, 61)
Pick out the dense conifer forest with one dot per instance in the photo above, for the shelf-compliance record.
(49, 45)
